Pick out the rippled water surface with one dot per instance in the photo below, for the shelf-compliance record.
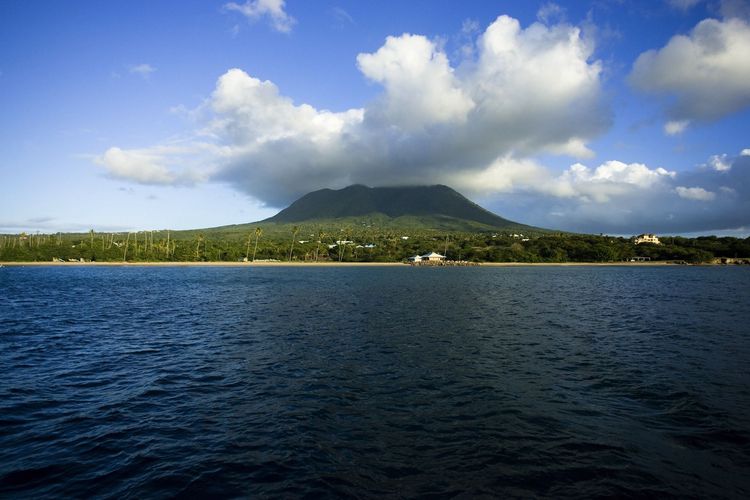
(244, 382)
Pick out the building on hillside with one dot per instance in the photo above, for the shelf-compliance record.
(647, 238)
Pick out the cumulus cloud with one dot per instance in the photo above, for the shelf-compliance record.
(159, 165)
(620, 198)
(608, 181)
(271, 9)
(720, 163)
(143, 70)
(695, 193)
(523, 92)
(675, 127)
(476, 126)
(420, 87)
(705, 75)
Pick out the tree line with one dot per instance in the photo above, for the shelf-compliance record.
(310, 243)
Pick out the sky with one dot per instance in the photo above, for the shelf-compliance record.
(601, 116)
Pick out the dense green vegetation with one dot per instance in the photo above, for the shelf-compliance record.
(364, 244)
(361, 224)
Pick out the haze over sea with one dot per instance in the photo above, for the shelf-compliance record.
(134, 382)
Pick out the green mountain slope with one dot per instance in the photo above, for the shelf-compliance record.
(424, 207)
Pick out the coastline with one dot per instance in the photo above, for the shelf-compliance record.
(331, 264)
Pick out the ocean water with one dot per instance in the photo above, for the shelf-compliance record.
(375, 382)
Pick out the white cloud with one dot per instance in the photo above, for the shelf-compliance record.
(695, 193)
(251, 112)
(610, 180)
(272, 9)
(420, 87)
(745, 152)
(630, 198)
(432, 121)
(676, 127)
(138, 166)
(143, 70)
(706, 73)
(575, 147)
(720, 163)
(159, 165)
(504, 175)
(550, 12)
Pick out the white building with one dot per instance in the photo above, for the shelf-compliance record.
(432, 257)
(647, 238)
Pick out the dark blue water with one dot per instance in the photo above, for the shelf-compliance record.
(397, 382)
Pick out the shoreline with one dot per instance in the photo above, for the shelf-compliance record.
(334, 264)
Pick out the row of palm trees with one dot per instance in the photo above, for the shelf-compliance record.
(295, 232)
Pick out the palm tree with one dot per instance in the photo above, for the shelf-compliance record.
(198, 246)
(342, 248)
(258, 232)
(321, 235)
(125, 252)
(295, 230)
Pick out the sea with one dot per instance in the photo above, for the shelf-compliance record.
(374, 382)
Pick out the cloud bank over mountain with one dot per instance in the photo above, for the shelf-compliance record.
(431, 121)
(476, 125)
(619, 198)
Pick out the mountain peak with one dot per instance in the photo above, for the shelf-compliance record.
(436, 205)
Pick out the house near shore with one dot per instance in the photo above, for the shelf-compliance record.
(646, 238)
(432, 257)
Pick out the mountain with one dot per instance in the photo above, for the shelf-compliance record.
(428, 207)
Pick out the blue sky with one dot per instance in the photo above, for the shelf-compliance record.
(600, 116)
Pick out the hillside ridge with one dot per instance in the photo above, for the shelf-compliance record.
(438, 202)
